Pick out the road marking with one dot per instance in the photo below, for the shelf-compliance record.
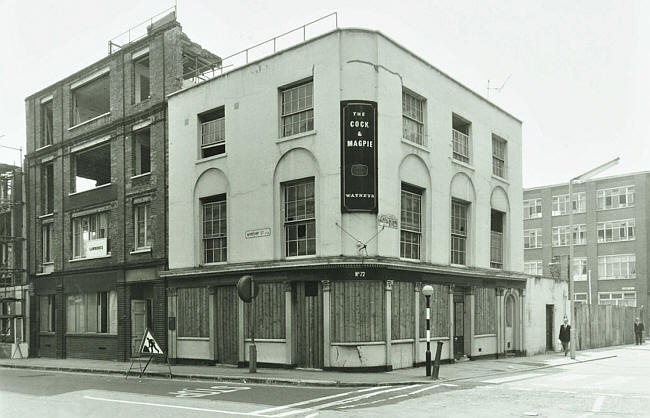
(398, 396)
(512, 378)
(162, 405)
(423, 389)
(308, 401)
(212, 390)
(610, 382)
(365, 396)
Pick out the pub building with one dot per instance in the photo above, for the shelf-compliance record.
(344, 174)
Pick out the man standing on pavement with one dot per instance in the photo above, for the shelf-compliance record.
(638, 331)
(565, 335)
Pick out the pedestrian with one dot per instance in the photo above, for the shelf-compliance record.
(638, 331)
(565, 335)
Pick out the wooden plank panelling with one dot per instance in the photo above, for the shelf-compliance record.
(604, 325)
(269, 312)
(226, 300)
(193, 316)
(309, 327)
(485, 321)
(402, 310)
(358, 309)
(439, 312)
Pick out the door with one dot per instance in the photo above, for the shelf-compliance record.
(308, 303)
(459, 326)
(510, 321)
(138, 323)
(226, 323)
(549, 327)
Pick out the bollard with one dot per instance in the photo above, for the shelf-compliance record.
(436, 363)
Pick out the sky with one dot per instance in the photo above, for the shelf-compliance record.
(578, 72)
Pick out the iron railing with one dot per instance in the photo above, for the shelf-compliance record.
(135, 33)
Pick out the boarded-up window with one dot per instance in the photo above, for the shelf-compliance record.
(439, 312)
(358, 310)
(193, 312)
(402, 311)
(269, 312)
(485, 311)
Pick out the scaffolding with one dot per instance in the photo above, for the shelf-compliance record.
(13, 285)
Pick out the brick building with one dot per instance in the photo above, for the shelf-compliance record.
(344, 173)
(611, 224)
(96, 179)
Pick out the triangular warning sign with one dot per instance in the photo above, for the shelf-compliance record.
(149, 344)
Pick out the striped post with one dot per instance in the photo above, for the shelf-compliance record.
(427, 291)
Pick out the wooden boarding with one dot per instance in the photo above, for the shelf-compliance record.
(309, 327)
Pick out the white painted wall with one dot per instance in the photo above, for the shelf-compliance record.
(539, 293)
(345, 64)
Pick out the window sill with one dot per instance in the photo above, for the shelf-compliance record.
(212, 158)
(296, 136)
(44, 147)
(615, 278)
(415, 145)
(44, 274)
(75, 260)
(88, 121)
(535, 248)
(614, 242)
(463, 164)
(463, 266)
(137, 176)
(141, 250)
(47, 215)
(218, 263)
(411, 260)
(579, 280)
(90, 334)
(501, 179)
(299, 257)
(89, 190)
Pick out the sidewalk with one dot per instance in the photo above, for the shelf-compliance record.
(448, 372)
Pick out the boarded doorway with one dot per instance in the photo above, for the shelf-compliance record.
(510, 323)
(308, 304)
(459, 326)
(550, 316)
(225, 344)
(140, 320)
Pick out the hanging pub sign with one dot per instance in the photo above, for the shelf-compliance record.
(358, 156)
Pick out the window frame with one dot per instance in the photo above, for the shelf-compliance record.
(538, 235)
(539, 267)
(47, 123)
(47, 192)
(307, 220)
(457, 235)
(559, 235)
(147, 244)
(617, 261)
(46, 242)
(307, 110)
(410, 98)
(73, 172)
(528, 206)
(414, 229)
(49, 318)
(496, 158)
(136, 151)
(214, 121)
(136, 60)
(91, 313)
(602, 195)
(220, 203)
(622, 297)
(77, 248)
(580, 264)
(74, 118)
(627, 225)
(559, 203)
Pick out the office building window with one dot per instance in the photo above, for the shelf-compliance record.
(46, 232)
(47, 189)
(532, 238)
(560, 235)
(615, 197)
(413, 118)
(141, 158)
(621, 266)
(499, 153)
(297, 105)
(580, 269)
(91, 168)
(214, 230)
(614, 231)
(90, 235)
(459, 232)
(47, 123)
(532, 208)
(299, 218)
(92, 313)
(580, 297)
(617, 298)
(411, 222)
(91, 99)
(496, 239)
(141, 79)
(142, 231)
(47, 313)
(213, 132)
(534, 267)
(560, 204)
(460, 137)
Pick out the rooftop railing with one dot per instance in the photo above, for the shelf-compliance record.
(136, 32)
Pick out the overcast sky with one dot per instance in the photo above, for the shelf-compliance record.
(580, 69)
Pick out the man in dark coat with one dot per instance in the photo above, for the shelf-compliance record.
(565, 335)
(638, 331)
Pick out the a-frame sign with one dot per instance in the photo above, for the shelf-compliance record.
(149, 349)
